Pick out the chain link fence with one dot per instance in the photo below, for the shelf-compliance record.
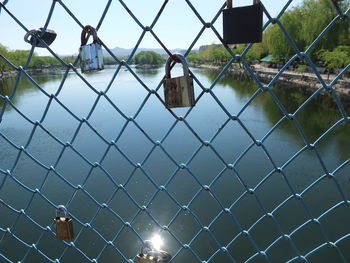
(254, 232)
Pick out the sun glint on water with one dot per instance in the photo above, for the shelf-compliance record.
(157, 241)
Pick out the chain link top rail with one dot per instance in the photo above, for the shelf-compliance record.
(22, 150)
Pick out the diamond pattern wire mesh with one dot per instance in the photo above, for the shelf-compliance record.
(183, 250)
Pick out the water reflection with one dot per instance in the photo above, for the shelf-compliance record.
(315, 119)
(25, 86)
(206, 168)
(147, 72)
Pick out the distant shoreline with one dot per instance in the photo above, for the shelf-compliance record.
(308, 81)
(46, 70)
(13, 73)
(305, 80)
(147, 66)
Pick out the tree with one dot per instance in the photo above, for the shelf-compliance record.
(3, 65)
(304, 24)
(19, 58)
(194, 57)
(338, 58)
(276, 40)
(257, 52)
(216, 54)
(148, 57)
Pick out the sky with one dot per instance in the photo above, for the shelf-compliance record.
(177, 27)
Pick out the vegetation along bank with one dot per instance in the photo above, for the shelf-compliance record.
(304, 23)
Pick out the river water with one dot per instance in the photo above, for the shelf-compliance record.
(159, 167)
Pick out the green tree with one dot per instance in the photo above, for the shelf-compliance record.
(337, 58)
(277, 42)
(148, 57)
(19, 58)
(213, 54)
(3, 65)
(217, 54)
(257, 52)
(304, 23)
(194, 57)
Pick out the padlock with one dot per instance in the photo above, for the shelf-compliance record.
(64, 225)
(48, 36)
(91, 56)
(243, 25)
(178, 92)
(149, 254)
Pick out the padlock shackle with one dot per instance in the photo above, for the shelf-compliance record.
(230, 5)
(177, 58)
(146, 246)
(86, 32)
(43, 37)
(61, 209)
(29, 34)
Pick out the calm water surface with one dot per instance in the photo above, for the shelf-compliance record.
(71, 168)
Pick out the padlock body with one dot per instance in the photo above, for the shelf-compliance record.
(143, 259)
(64, 228)
(179, 92)
(91, 58)
(48, 37)
(243, 25)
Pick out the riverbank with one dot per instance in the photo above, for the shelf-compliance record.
(13, 73)
(289, 78)
(148, 66)
(306, 81)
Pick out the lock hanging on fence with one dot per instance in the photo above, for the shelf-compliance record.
(179, 91)
(91, 57)
(149, 254)
(243, 25)
(48, 36)
(64, 225)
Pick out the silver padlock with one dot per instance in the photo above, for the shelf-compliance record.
(149, 254)
(178, 92)
(91, 56)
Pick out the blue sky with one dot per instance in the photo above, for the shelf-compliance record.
(177, 26)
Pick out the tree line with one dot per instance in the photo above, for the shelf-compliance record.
(19, 57)
(304, 23)
(148, 58)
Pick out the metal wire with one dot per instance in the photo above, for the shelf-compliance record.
(23, 150)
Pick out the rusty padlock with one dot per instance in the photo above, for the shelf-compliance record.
(91, 56)
(64, 225)
(243, 25)
(48, 36)
(149, 254)
(178, 92)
